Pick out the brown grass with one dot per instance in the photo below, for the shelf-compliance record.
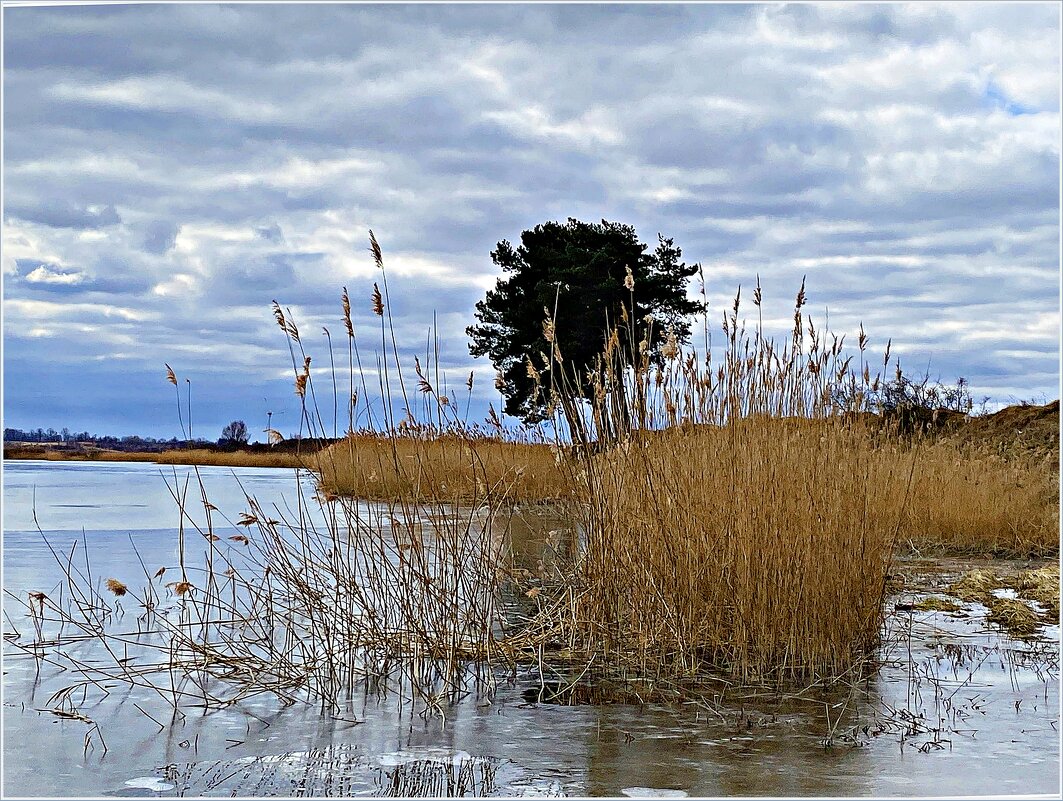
(973, 501)
(192, 456)
(201, 456)
(447, 466)
(755, 532)
(736, 515)
(1041, 585)
(742, 519)
(761, 548)
(1013, 616)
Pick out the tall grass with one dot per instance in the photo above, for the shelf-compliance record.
(971, 500)
(753, 533)
(747, 511)
(453, 465)
(188, 456)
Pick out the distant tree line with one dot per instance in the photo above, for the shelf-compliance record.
(234, 435)
(132, 442)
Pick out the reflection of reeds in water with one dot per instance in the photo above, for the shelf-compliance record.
(439, 779)
(338, 770)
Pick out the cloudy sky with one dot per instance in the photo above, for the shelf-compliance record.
(171, 169)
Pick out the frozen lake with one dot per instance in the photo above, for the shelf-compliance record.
(956, 708)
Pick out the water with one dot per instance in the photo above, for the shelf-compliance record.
(993, 702)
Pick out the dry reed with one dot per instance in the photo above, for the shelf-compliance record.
(753, 534)
(450, 465)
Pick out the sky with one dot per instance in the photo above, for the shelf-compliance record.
(169, 170)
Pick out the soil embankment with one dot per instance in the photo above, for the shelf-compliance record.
(1020, 431)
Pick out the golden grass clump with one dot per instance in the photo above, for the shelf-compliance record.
(1015, 617)
(761, 547)
(934, 603)
(441, 466)
(1013, 614)
(743, 517)
(973, 501)
(1041, 585)
(976, 586)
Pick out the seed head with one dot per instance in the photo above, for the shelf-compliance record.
(378, 258)
(671, 346)
(548, 330)
(291, 330)
(347, 313)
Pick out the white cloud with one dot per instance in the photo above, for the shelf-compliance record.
(163, 93)
(41, 310)
(594, 127)
(45, 275)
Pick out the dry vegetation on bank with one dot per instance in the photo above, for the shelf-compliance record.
(967, 496)
(450, 466)
(765, 545)
(986, 486)
(189, 456)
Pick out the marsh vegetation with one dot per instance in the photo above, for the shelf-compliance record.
(721, 518)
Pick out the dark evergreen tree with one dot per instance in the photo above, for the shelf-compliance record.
(580, 269)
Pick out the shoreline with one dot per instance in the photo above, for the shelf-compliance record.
(194, 456)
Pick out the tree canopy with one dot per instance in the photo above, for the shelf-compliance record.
(235, 433)
(578, 269)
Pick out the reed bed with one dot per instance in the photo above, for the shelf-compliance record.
(760, 549)
(744, 518)
(310, 601)
(448, 465)
(204, 456)
(305, 604)
(972, 501)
